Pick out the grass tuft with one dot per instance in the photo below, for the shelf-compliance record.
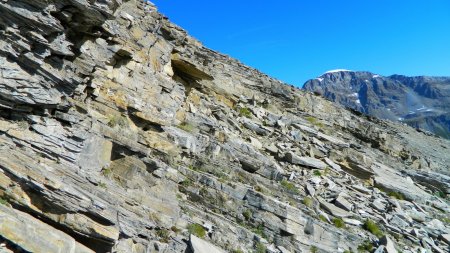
(446, 220)
(317, 173)
(307, 201)
(175, 229)
(366, 246)
(339, 222)
(259, 230)
(314, 121)
(102, 185)
(163, 235)
(260, 248)
(117, 120)
(186, 127)
(288, 186)
(440, 194)
(245, 112)
(323, 218)
(373, 228)
(107, 172)
(3, 201)
(247, 214)
(197, 230)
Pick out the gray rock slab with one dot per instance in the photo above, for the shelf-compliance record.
(334, 210)
(29, 233)
(343, 203)
(389, 244)
(305, 161)
(201, 246)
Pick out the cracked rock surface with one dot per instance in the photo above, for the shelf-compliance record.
(121, 133)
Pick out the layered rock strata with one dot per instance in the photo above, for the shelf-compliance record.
(121, 133)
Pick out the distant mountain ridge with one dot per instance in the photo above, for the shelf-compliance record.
(421, 102)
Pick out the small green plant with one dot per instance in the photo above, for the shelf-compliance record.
(317, 173)
(186, 127)
(314, 121)
(372, 227)
(366, 246)
(247, 214)
(446, 220)
(102, 185)
(106, 171)
(259, 230)
(323, 218)
(117, 120)
(237, 251)
(290, 187)
(245, 112)
(197, 230)
(292, 202)
(439, 194)
(347, 251)
(313, 249)
(264, 104)
(191, 167)
(259, 188)
(3, 201)
(175, 229)
(260, 248)
(396, 195)
(187, 182)
(339, 222)
(163, 235)
(307, 201)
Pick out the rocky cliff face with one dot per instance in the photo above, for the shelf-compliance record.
(120, 133)
(421, 102)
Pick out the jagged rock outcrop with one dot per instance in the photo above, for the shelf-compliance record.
(121, 133)
(421, 102)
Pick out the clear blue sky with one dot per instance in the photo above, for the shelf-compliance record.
(295, 40)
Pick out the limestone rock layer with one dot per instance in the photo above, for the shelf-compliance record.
(121, 133)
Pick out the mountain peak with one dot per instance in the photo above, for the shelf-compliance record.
(337, 70)
(421, 102)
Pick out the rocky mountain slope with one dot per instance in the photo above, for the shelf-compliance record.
(421, 102)
(121, 133)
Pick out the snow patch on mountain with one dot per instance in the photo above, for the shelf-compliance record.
(337, 70)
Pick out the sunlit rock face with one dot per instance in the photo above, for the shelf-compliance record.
(121, 133)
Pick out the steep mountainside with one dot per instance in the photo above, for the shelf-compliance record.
(121, 133)
(421, 102)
